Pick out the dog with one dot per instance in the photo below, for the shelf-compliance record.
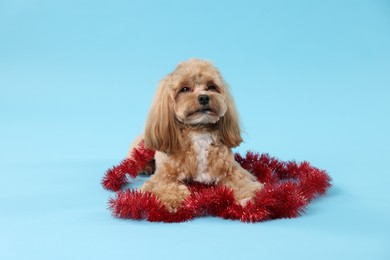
(193, 126)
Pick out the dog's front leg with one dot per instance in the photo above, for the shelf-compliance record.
(243, 184)
(170, 192)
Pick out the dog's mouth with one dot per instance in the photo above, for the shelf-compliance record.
(200, 115)
(205, 110)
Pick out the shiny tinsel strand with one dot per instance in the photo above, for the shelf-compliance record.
(288, 188)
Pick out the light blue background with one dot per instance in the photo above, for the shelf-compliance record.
(311, 80)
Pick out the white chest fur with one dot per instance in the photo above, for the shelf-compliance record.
(201, 143)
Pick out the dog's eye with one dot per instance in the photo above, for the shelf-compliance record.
(185, 89)
(212, 87)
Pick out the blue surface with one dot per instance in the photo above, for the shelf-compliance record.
(311, 80)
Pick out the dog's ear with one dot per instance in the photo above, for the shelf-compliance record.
(162, 132)
(229, 125)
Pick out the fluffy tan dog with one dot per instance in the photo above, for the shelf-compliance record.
(193, 125)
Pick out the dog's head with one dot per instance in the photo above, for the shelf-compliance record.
(193, 94)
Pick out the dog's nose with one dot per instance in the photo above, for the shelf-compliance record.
(203, 99)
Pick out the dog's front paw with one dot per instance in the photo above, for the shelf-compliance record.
(250, 193)
(172, 208)
(172, 196)
(244, 202)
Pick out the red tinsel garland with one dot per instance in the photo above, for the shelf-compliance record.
(115, 178)
(289, 187)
